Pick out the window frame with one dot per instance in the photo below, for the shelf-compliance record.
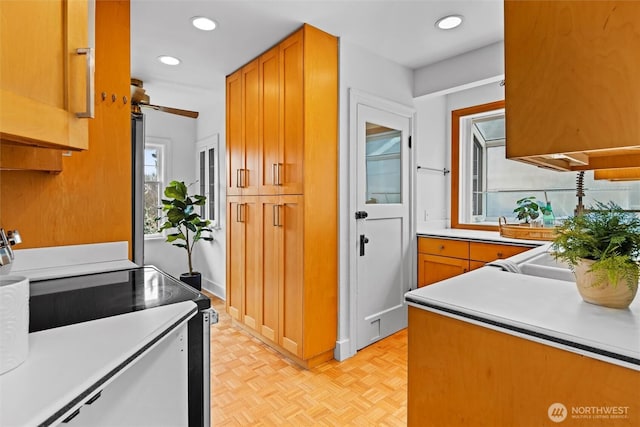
(164, 144)
(204, 146)
(456, 116)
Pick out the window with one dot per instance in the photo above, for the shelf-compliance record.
(486, 185)
(153, 187)
(208, 178)
(383, 165)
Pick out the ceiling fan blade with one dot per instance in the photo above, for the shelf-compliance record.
(186, 113)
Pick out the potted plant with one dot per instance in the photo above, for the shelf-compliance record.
(527, 209)
(180, 214)
(602, 247)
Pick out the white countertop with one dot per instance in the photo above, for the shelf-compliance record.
(462, 233)
(539, 309)
(65, 362)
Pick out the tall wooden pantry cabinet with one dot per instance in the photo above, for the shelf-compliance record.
(282, 190)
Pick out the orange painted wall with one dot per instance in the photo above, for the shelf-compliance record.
(90, 201)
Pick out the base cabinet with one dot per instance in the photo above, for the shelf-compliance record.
(462, 374)
(441, 258)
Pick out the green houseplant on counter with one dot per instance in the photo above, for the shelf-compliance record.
(602, 246)
(180, 214)
(528, 209)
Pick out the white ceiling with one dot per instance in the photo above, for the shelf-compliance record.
(399, 30)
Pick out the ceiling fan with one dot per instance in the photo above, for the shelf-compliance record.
(139, 99)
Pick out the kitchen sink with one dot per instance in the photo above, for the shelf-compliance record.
(545, 265)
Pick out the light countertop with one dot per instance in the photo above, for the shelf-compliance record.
(66, 365)
(480, 235)
(539, 309)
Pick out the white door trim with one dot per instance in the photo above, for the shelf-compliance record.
(357, 97)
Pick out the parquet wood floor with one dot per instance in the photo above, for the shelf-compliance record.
(253, 385)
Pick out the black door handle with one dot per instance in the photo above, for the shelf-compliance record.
(363, 241)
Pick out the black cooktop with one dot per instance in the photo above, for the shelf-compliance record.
(68, 300)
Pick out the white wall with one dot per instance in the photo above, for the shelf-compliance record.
(461, 72)
(433, 149)
(372, 74)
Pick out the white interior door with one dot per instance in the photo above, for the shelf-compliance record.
(383, 260)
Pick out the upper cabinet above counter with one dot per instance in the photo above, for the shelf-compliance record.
(573, 83)
(46, 72)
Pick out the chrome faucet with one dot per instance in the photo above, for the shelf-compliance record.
(8, 239)
(579, 210)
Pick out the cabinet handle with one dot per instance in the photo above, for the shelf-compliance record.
(244, 175)
(279, 174)
(274, 174)
(94, 398)
(88, 52)
(72, 416)
(238, 178)
(276, 216)
(238, 214)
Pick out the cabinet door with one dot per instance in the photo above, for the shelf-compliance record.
(487, 252)
(570, 74)
(270, 259)
(235, 257)
(249, 216)
(433, 268)
(235, 143)
(290, 222)
(270, 122)
(43, 82)
(444, 247)
(251, 127)
(291, 115)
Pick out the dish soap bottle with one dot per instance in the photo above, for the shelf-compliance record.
(548, 218)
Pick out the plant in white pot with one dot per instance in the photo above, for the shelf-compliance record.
(181, 215)
(528, 209)
(602, 246)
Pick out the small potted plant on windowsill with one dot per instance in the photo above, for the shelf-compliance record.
(602, 247)
(180, 214)
(528, 209)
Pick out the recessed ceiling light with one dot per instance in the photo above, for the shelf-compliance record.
(169, 60)
(449, 22)
(204, 24)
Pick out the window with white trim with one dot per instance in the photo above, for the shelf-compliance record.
(490, 184)
(208, 178)
(154, 156)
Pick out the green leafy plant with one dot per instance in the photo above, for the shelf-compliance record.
(180, 214)
(607, 235)
(528, 208)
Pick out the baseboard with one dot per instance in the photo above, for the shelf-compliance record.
(214, 288)
(342, 350)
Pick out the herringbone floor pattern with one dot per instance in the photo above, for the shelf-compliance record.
(252, 385)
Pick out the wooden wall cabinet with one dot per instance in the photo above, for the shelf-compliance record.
(573, 87)
(80, 203)
(243, 135)
(442, 258)
(43, 78)
(282, 281)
